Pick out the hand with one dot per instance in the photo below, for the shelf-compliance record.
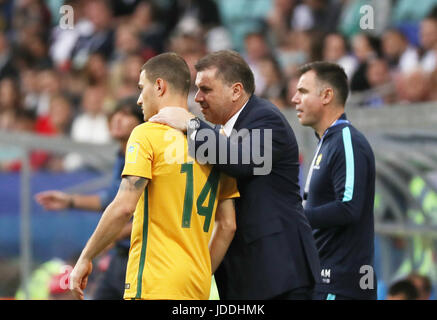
(79, 277)
(53, 200)
(174, 117)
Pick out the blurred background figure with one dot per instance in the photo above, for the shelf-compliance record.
(256, 49)
(335, 50)
(423, 285)
(99, 37)
(365, 48)
(414, 87)
(402, 290)
(274, 81)
(380, 82)
(58, 286)
(428, 41)
(400, 55)
(90, 125)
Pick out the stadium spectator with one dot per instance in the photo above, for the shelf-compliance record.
(414, 87)
(204, 13)
(49, 84)
(9, 102)
(56, 123)
(99, 38)
(365, 48)
(432, 83)
(320, 15)
(7, 63)
(63, 40)
(96, 71)
(400, 55)
(256, 48)
(423, 285)
(30, 88)
(191, 47)
(335, 50)
(382, 90)
(124, 76)
(148, 23)
(428, 41)
(58, 119)
(294, 51)
(127, 42)
(279, 20)
(90, 125)
(402, 290)
(38, 284)
(274, 89)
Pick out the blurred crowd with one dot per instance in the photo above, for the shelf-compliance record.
(66, 82)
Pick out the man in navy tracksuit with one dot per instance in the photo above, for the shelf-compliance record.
(340, 187)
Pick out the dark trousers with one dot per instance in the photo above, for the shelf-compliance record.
(111, 285)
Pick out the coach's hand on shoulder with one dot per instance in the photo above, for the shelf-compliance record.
(174, 117)
(79, 277)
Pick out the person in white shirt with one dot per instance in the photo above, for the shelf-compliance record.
(335, 50)
(428, 39)
(401, 56)
(90, 126)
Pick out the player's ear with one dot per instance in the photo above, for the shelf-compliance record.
(160, 86)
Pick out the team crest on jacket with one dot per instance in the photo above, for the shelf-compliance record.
(318, 160)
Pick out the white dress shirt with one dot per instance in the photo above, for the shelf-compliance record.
(229, 125)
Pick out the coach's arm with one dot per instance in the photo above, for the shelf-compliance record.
(113, 220)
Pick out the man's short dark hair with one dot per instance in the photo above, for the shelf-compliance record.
(231, 68)
(332, 74)
(172, 68)
(404, 287)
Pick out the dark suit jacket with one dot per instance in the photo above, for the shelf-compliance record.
(273, 250)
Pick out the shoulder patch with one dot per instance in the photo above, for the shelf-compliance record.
(132, 152)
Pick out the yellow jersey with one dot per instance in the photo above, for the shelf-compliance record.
(174, 217)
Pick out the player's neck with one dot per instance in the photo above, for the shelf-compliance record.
(329, 118)
(174, 101)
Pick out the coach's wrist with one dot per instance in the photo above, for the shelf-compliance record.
(71, 204)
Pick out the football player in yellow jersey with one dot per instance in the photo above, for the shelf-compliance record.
(175, 245)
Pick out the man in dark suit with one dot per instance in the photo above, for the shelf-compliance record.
(273, 254)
